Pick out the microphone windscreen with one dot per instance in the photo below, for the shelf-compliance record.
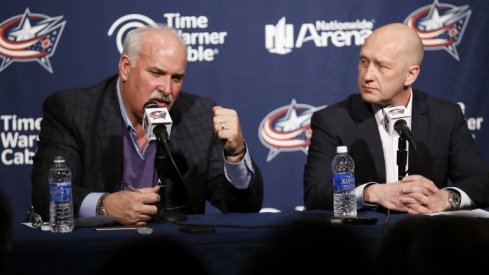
(155, 117)
(150, 104)
(393, 114)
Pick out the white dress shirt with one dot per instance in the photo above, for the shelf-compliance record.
(389, 147)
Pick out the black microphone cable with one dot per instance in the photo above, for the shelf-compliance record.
(180, 176)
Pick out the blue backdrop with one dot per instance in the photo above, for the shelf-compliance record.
(275, 62)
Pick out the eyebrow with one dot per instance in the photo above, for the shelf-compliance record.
(156, 69)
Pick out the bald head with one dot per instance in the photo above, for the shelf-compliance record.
(389, 64)
(402, 39)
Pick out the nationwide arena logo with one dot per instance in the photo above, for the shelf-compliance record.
(30, 37)
(440, 26)
(280, 38)
(201, 45)
(287, 129)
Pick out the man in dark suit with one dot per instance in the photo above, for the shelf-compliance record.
(389, 64)
(99, 131)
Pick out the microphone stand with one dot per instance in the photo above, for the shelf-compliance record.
(163, 168)
(401, 158)
(401, 166)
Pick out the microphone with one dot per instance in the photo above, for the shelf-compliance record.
(403, 130)
(396, 123)
(157, 126)
(156, 121)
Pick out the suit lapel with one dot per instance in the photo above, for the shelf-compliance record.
(419, 121)
(109, 131)
(368, 131)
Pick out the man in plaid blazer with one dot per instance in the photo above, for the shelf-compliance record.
(99, 131)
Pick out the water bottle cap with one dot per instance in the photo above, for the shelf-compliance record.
(59, 159)
(341, 149)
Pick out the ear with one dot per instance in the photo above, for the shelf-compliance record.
(124, 67)
(412, 74)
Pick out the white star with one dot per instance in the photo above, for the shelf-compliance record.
(291, 121)
(25, 31)
(435, 21)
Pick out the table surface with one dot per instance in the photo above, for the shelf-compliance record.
(227, 250)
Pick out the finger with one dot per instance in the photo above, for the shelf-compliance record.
(140, 224)
(154, 189)
(420, 180)
(222, 123)
(150, 210)
(410, 178)
(216, 109)
(420, 198)
(417, 209)
(432, 188)
(408, 200)
(407, 190)
(150, 198)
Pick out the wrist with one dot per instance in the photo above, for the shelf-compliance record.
(100, 208)
(239, 153)
(454, 199)
(369, 194)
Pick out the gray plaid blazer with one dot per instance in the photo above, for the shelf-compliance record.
(85, 126)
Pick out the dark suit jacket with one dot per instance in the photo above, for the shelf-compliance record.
(445, 148)
(85, 126)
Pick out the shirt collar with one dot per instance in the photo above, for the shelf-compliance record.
(125, 117)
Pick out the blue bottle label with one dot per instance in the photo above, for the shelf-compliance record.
(60, 192)
(343, 181)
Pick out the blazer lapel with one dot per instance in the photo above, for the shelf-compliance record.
(368, 131)
(109, 131)
(419, 122)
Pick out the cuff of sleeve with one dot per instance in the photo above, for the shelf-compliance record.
(465, 200)
(359, 196)
(89, 205)
(239, 174)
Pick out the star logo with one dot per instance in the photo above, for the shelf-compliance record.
(287, 129)
(158, 114)
(29, 37)
(440, 26)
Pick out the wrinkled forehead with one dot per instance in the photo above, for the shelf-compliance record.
(375, 49)
(392, 41)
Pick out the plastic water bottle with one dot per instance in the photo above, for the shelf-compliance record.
(60, 202)
(344, 201)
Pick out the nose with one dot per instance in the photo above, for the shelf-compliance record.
(368, 74)
(165, 85)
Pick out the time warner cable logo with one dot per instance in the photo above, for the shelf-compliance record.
(194, 31)
(440, 26)
(279, 38)
(287, 129)
(30, 37)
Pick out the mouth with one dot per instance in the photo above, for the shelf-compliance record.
(369, 89)
(162, 102)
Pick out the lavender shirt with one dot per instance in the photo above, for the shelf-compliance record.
(139, 168)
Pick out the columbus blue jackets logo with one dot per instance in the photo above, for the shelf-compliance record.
(287, 129)
(440, 26)
(157, 114)
(29, 37)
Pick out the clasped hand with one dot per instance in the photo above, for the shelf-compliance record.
(414, 194)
